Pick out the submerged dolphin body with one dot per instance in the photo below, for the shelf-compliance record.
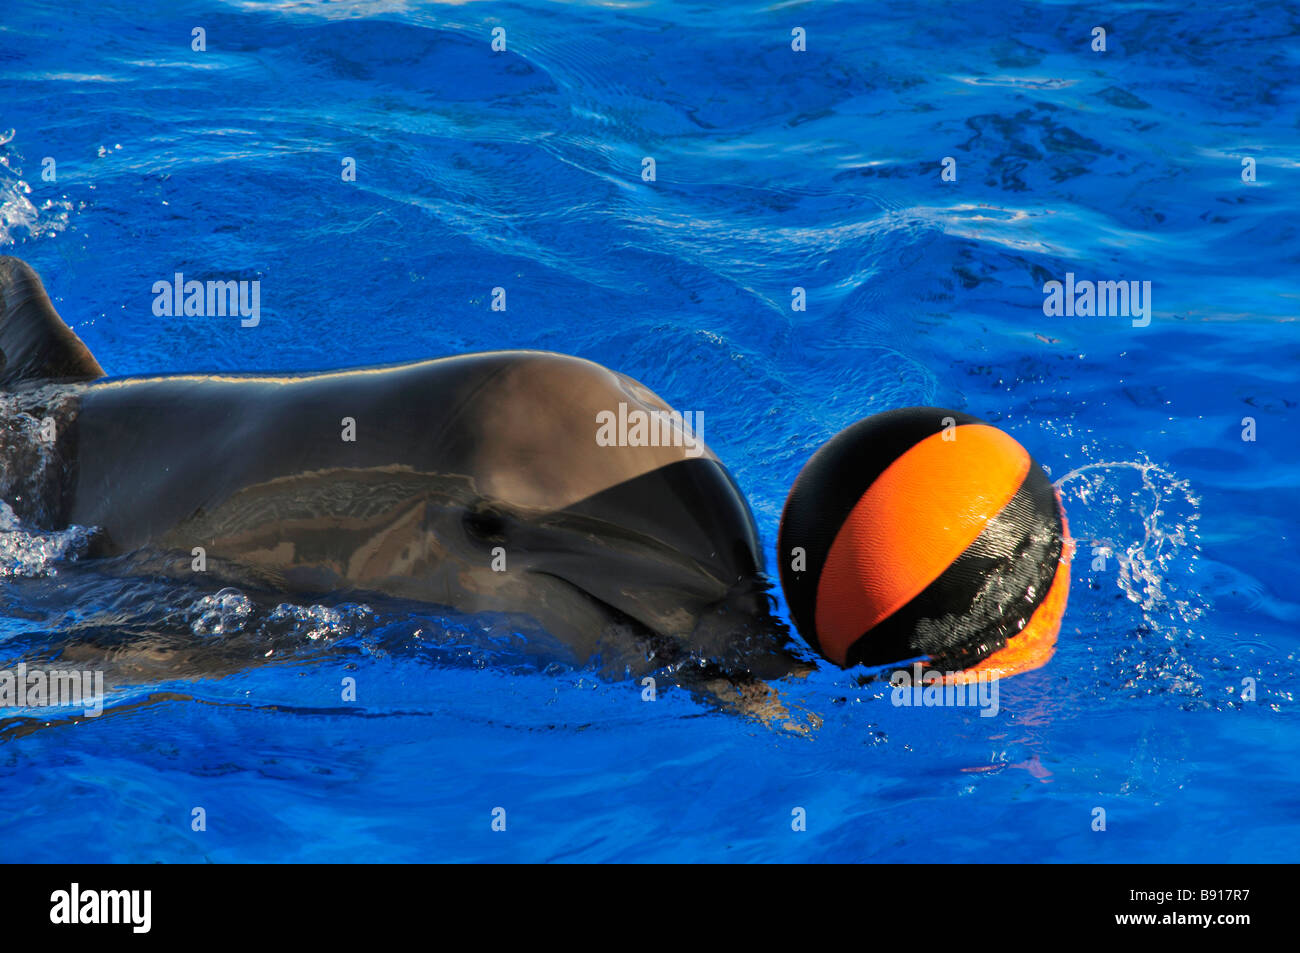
(473, 482)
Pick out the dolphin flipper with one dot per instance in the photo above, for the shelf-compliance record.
(35, 344)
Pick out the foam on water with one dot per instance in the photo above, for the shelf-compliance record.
(30, 553)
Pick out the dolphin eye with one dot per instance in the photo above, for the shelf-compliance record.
(485, 523)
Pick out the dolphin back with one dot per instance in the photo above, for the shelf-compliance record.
(35, 344)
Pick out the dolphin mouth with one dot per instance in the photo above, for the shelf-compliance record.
(739, 622)
(619, 614)
(658, 647)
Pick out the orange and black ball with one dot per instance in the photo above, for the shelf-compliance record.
(926, 533)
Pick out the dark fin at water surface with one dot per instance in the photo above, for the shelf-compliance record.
(35, 344)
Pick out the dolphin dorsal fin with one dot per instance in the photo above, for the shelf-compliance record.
(35, 344)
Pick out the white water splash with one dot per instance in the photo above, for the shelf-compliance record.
(30, 553)
(20, 217)
(1149, 528)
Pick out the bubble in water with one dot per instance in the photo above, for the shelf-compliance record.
(221, 614)
(317, 622)
(230, 611)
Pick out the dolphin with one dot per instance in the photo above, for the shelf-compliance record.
(474, 482)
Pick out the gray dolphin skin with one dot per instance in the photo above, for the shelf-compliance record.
(638, 556)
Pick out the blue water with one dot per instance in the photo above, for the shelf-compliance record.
(774, 169)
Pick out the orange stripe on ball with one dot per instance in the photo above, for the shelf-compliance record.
(924, 510)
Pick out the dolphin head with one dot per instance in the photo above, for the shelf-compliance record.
(669, 558)
(609, 531)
